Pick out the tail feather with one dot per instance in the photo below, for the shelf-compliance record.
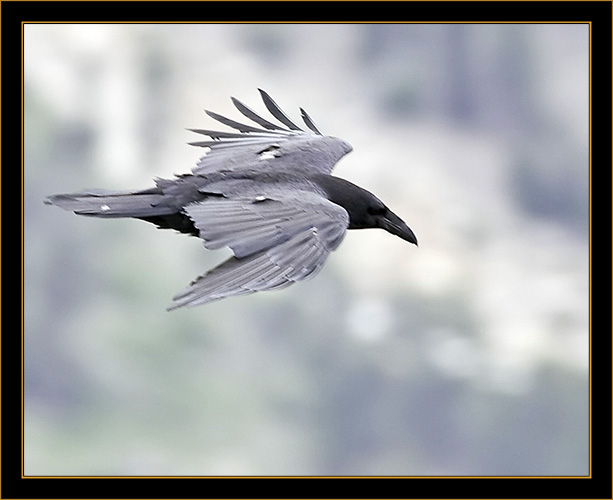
(102, 203)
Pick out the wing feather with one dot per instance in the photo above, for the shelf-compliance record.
(234, 124)
(309, 122)
(216, 134)
(249, 225)
(277, 112)
(276, 242)
(252, 115)
(297, 259)
(296, 150)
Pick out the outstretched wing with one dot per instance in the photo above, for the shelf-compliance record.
(268, 146)
(276, 240)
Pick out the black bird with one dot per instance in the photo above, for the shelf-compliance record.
(266, 192)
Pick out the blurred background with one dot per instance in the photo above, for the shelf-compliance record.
(466, 356)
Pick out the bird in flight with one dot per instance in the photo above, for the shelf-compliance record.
(265, 191)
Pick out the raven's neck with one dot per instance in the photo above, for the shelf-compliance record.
(352, 198)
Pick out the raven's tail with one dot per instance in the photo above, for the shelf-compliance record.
(104, 203)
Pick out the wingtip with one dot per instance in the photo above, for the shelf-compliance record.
(263, 94)
(309, 122)
(276, 111)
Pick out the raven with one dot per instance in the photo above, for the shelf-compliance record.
(266, 192)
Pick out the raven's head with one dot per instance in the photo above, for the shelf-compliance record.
(375, 214)
(364, 208)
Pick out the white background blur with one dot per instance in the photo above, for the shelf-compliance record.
(466, 356)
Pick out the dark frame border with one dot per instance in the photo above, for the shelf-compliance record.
(598, 13)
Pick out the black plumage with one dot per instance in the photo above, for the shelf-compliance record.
(266, 193)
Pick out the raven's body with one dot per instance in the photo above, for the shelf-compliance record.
(266, 193)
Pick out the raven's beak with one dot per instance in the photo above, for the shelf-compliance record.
(395, 225)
